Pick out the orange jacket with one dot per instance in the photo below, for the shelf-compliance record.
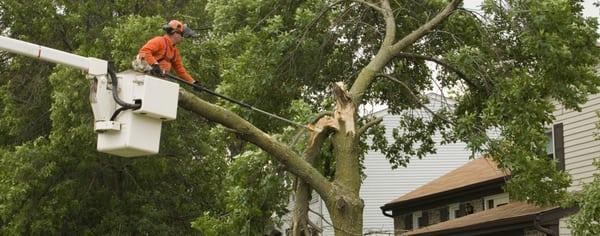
(161, 49)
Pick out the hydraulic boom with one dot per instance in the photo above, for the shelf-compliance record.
(128, 107)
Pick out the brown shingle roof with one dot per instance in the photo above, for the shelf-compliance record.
(506, 214)
(476, 171)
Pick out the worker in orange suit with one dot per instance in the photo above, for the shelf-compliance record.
(160, 54)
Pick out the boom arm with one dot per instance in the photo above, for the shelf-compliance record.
(146, 103)
(101, 97)
(92, 66)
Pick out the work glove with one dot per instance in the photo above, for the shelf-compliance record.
(156, 70)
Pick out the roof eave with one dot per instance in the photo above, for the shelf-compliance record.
(494, 185)
(504, 224)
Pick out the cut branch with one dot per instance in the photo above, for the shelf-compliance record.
(292, 160)
(303, 189)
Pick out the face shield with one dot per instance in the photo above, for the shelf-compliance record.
(188, 33)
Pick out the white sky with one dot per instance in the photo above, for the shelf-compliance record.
(589, 8)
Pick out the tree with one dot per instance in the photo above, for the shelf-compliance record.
(52, 179)
(504, 67)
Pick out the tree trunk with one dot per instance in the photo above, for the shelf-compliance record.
(301, 205)
(346, 212)
(321, 128)
(345, 206)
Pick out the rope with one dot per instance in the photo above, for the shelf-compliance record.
(242, 104)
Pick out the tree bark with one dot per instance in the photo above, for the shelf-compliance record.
(344, 205)
(246, 131)
(302, 193)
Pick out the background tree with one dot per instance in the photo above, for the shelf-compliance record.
(52, 179)
(504, 67)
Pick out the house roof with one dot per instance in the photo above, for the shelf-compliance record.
(476, 171)
(499, 217)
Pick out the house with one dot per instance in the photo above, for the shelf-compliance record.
(382, 183)
(470, 200)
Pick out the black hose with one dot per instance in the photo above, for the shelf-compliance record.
(116, 113)
(115, 82)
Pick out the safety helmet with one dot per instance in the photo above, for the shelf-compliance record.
(175, 26)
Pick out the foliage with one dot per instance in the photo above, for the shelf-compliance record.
(514, 59)
(586, 221)
(253, 191)
(52, 179)
(517, 57)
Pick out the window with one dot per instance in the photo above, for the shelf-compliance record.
(495, 201)
(556, 146)
(408, 222)
(444, 214)
(416, 219)
(424, 219)
(464, 209)
(453, 209)
(550, 144)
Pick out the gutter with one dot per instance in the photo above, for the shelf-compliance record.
(383, 211)
(536, 224)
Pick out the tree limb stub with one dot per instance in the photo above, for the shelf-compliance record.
(292, 160)
(321, 128)
(345, 110)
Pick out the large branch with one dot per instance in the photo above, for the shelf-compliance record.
(390, 24)
(323, 127)
(387, 52)
(246, 131)
(388, 15)
(426, 28)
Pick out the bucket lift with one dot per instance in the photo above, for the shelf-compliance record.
(129, 107)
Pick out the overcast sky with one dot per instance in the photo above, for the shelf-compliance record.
(590, 9)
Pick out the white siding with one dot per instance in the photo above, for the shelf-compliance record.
(581, 145)
(316, 204)
(563, 227)
(383, 184)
